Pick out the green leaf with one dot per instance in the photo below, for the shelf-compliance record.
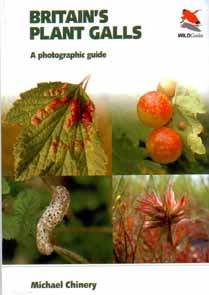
(86, 200)
(10, 227)
(190, 104)
(195, 142)
(34, 99)
(5, 186)
(150, 167)
(125, 138)
(187, 106)
(126, 155)
(27, 208)
(59, 135)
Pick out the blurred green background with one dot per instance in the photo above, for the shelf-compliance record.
(86, 230)
(195, 186)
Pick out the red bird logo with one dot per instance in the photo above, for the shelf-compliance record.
(190, 16)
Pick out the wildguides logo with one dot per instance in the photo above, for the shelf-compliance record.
(190, 21)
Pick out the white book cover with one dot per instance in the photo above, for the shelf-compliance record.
(104, 147)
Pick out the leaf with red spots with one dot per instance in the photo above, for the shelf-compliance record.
(59, 135)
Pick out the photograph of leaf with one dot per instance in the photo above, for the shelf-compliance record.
(57, 133)
(164, 131)
(57, 220)
(161, 219)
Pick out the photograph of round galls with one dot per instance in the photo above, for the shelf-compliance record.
(163, 130)
(57, 220)
(161, 219)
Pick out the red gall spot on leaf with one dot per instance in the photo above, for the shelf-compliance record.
(87, 140)
(54, 105)
(75, 110)
(86, 116)
(74, 106)
(54, 146)
(41, 112)
(90, 106)
(77, 144)
(86, 119)
(68, 123)
(65, 99)
(75, 118)
(86, 113)
(79, 112)
(55, 101)
(35, 120)
(64, 145)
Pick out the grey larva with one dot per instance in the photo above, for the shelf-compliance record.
(51, 217)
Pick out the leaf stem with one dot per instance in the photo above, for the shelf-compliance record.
(175, 94)
(72, 256)
(85, 81)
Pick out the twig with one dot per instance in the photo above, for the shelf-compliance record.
(72, 256)
(94, 229)
(47, 184)
(137, 239)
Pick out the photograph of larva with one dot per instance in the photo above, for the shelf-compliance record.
(57, 220)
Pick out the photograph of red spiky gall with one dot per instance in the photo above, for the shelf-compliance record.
(162, 130)
(161, 219)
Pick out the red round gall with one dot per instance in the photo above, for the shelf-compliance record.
(164, 145)
(168, 87)
(154, 109)
(181, 125)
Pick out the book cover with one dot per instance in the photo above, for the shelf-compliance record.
(104, 146)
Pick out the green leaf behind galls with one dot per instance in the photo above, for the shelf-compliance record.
(56, 139)
(187, 105)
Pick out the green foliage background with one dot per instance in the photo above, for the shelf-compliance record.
(86, 230)
(195, 186)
